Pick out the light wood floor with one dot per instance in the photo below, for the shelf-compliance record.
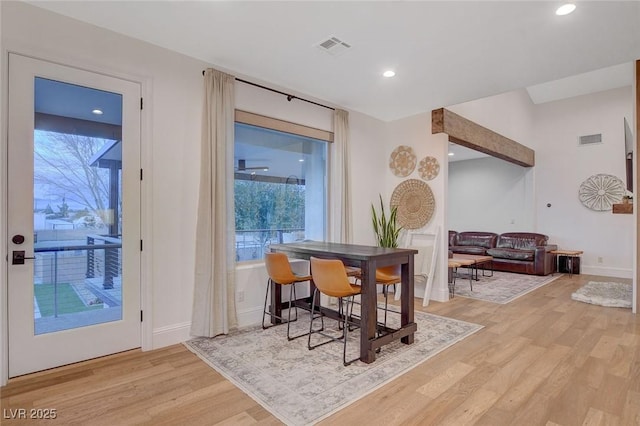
(540, 360)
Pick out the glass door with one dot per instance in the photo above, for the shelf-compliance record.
(74, 289)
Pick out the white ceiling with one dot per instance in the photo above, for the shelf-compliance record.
(583, 84)
(444, 53)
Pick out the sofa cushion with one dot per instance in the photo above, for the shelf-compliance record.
(481, 251)
(480, 239)
(521, 240)
(512, 253)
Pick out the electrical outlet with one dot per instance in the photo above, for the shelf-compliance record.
(241, 296)
(599, 260)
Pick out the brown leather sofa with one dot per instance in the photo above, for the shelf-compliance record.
(472, 242)
(521, 252)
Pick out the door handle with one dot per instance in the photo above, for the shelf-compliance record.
(19, 257)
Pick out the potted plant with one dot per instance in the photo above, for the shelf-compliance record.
(386, 229)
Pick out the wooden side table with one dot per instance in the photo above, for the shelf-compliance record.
(569, 254)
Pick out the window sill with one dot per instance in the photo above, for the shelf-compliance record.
(252, 264)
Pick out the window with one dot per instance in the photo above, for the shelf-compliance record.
(280, 188)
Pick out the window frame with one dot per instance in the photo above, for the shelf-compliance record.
(270, 123)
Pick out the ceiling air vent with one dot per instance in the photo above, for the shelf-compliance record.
(590, 139)
(333, 46)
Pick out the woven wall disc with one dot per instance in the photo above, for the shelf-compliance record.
(415, 202)
(402, 161)
(429, 168)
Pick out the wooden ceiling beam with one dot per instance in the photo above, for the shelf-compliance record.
(465, 132)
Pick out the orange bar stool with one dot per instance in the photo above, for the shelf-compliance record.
(279, 271)
(387, 276)
(330, 278)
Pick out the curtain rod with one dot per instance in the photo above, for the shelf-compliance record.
(289, 97)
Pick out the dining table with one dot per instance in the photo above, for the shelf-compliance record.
(367, 258)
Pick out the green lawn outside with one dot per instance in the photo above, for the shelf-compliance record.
(68, 300)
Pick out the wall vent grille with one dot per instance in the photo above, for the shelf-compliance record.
(333, 46)
(590, 139)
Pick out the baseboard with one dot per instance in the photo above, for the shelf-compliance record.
(607, 271)
(439, 294)
(171, 335)
(248, 317)
(178, 333)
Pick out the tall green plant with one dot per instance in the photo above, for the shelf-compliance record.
(386, 229)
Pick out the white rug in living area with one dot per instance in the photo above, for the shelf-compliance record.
(502, 288)
(611, 294)
(301, 387)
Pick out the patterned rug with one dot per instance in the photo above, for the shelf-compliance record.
(611, 294)
(502, 288)
(301, 387)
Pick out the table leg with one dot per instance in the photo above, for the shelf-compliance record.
(406, 294)
(368, 314)
(490, 268)
(452, 282)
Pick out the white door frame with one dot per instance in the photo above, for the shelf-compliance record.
(145, 190)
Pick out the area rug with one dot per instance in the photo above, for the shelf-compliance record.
(612, 294)
(301, 387)
(502, 288)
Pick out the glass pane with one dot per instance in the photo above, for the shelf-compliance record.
(77, 206)
(279, 189)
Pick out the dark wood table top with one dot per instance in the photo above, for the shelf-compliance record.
(346, 251)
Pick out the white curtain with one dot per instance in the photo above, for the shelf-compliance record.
(341, 229)
(214, 310)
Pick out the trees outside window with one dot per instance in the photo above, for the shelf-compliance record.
(66, 185)
(279, 189)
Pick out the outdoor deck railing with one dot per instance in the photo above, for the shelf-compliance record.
(251, 243)
(109, 273)
(111, 262)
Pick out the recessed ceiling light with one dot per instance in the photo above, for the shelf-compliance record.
(388, 73)
(565, 9)
(451, 154)
(97, 111)
(301, 160)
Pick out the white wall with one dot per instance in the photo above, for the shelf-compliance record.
(562, 166)
(489, 194)
(509, 114)
(415, 132)
(259, 101)
(368, 156)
